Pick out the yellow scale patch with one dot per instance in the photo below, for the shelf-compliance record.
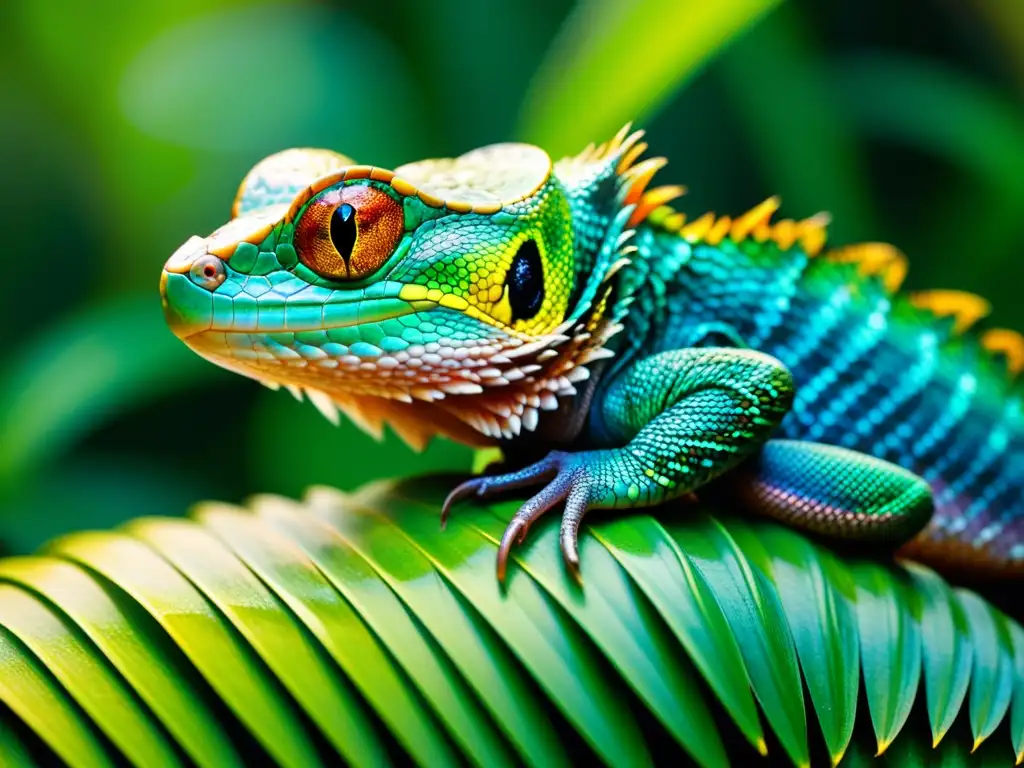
(967, 309)
(875, 259)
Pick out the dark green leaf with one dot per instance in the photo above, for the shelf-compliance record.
(890, 643)
(301, 617)
(259, 616)
(679, 591)
(13, 753)
(758, 622)
(819, 599)
(1017, 718)
(293, 577)
(947, 650)
(993, 671)
(543, 638)
(622, 624)
(366, 561)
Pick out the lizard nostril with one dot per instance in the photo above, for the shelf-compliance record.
(208, 272)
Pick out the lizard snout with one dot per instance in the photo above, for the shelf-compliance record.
(181, 260)
(187, 283)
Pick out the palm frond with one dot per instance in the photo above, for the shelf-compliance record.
(350, 626)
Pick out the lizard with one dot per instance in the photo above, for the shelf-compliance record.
(619, 353)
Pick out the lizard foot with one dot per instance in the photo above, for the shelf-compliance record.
(569, 481)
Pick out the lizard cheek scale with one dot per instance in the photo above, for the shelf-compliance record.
(620, 354)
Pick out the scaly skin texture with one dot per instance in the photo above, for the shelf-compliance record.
(620, 355)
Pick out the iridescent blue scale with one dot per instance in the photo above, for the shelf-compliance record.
(873, 373)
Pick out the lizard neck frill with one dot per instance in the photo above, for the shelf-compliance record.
(527, 380)
(480, 392)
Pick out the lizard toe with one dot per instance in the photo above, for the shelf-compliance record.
(576, 506)
(487, 485)
(567, 480)
(553, 493)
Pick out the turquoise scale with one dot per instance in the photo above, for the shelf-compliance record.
(873, 373)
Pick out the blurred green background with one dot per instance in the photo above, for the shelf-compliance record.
(124, 129)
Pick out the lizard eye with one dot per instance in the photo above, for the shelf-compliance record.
(526, 282)
(347, 233)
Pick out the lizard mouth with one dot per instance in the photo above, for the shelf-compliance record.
(369, 348)
(191, 310)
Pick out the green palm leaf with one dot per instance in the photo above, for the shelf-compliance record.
(992, 676)
(593, 79)
(947, 658)
(819, 599)
(758, 622)
(890, 647)
(351, 626)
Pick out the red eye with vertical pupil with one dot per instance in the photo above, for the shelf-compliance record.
(349, 232)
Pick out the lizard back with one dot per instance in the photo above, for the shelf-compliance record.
(912, 378)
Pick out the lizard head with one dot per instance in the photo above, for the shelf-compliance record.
(456, 296)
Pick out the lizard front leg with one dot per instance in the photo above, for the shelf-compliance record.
(680, 418)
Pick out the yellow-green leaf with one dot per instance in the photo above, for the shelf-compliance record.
(85, 676)
(34, 696)
(226, 662)
(615, 61)
(138, 649)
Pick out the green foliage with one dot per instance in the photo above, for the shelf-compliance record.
(617, 61)
(107, 357)
(778, 83)
(351, 625)
(122, 139)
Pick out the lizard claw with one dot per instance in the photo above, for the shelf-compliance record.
(471, 487)
(515, 533)
(575, 507)
(485, 485)
(568, 483)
